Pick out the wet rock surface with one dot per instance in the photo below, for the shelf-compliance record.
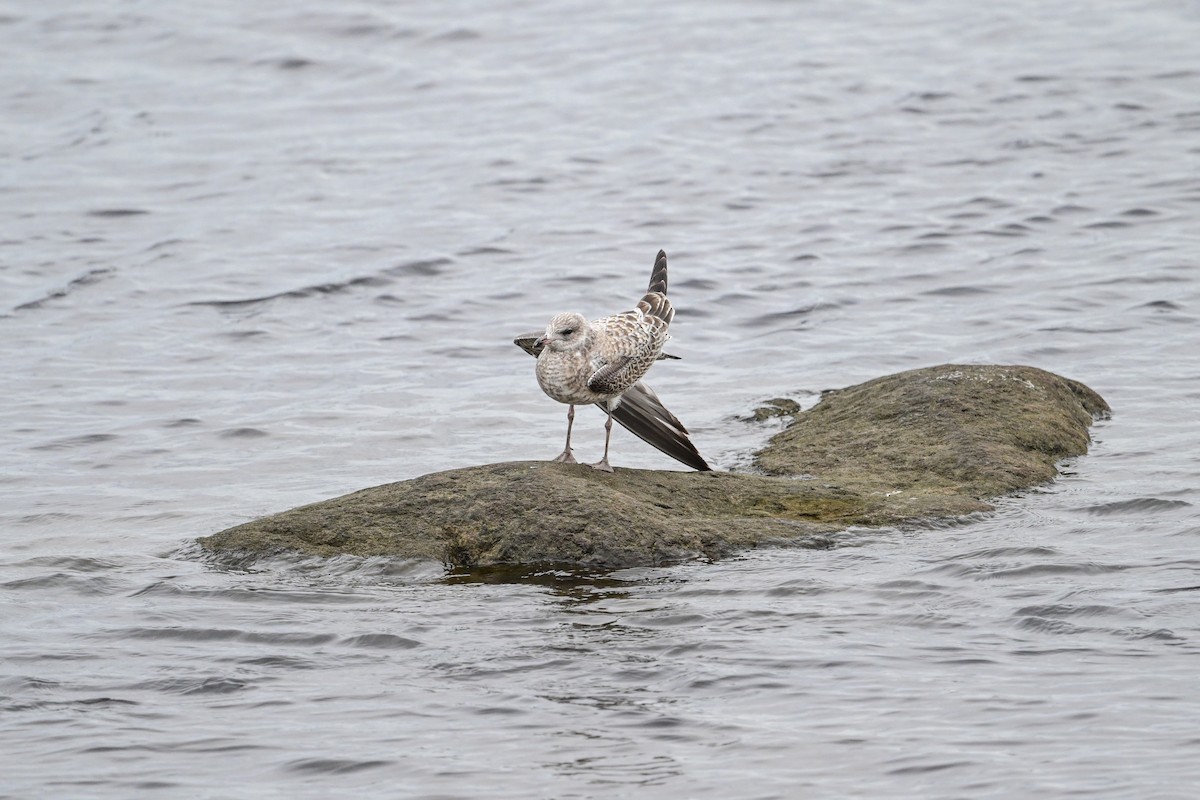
(928, 443)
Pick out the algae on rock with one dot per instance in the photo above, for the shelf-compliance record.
(962, 433)
(933, 442)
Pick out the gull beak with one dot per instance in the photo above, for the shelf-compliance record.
(540, 342)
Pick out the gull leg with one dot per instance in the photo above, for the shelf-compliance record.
(603, 464)
(567, 457)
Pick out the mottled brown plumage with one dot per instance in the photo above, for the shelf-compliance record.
(599, 361)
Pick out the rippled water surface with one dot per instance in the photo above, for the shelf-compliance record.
(255, 255)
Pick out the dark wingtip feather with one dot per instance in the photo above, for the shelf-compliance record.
(643, 414)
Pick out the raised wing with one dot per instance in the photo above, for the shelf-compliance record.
(644, 415)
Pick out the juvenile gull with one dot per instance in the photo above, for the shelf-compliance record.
(602, 362)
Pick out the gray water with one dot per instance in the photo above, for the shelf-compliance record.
(256, 255)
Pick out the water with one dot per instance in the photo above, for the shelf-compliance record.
(256, 257)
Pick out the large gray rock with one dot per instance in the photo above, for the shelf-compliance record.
(929, 443)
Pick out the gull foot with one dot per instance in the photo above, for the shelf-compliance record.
(566, 457)
(602, 466)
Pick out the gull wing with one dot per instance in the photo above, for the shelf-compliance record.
(643, 414)
(526, 342)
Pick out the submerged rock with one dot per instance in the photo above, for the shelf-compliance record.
(935, 442)
(775, 407)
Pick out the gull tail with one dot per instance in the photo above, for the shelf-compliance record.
(655, 302)
(658, 276)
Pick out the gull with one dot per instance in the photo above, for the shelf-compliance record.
(602, 362)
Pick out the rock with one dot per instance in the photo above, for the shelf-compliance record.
(928, 443)
(965, 432)
(775, 407)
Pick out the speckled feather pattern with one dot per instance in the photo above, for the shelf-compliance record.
(598, 361)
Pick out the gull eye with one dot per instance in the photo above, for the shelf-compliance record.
(567, 331)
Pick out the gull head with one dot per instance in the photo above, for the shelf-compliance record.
(567, 331)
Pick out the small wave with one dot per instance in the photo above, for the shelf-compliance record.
(958, 291)
(320, 289)
(1083, 329)
(288, 62)
(1162, 305)
(1138, 505)
(70, 563)
(1174, 589)
(486, 250)
(86, 585)
(1053, 625)
(224, 635)
(699, 284)
(1038, 570)
(243, 433)
(1155, 634)
(424, 268)
(1139, 278)
(192, 686)
(48, 518)
(386, 641)
(117, 212)
(1007, 552)
(277, 661)
(909, 589)
(334, 766)
(798, 588)
(1057, 626)
(76, 441)
(86, 279)
(785, 316)
(620, 769)
(58, 706)
(921, 769)
(1060, 610)
(216, 686)
(456, 35)
(384, 569)
(923, 247)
